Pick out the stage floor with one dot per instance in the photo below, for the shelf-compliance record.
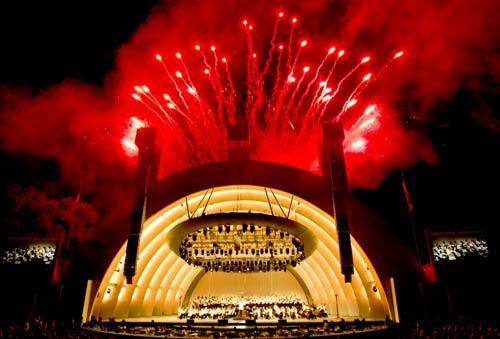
(172, 319)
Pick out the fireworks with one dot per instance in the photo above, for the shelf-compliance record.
(128, 140)
(282, 95)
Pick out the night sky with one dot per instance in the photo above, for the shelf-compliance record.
(45, 42)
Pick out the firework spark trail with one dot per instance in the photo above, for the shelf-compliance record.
(160, 106)
(282, 92)
(322, 91)
(250, 66)
(270, 53)
(282, 106)
(327, 79)
(355, 137)
(223, 101)
(191, 84)
(179, 76)
(339, 85)
(303, 44)
(293, 22)
(232, 91)
(197, 128)
(160, 59)
(137, 97)
(258, 90)
(179, 135)
(145, 92)
(172, 105)
(296, 90)
(218, 84)
(369, 116)
(271, 102)
(396, 56)
(289, 106)
(314, 79)
(357, 90)
(364, 83)
(208, 72)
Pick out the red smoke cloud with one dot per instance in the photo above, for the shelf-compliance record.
(445, 43)
(55, 216)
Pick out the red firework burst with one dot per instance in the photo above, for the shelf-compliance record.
(284, 98)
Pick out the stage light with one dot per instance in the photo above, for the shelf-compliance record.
(271, 244)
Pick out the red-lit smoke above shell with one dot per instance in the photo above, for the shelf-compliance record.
(192, 68)
(287, 89)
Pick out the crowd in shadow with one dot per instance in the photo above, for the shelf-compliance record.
(42, 328)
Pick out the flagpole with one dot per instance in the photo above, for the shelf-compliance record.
(64, 252)
(415, 240)
(412, 220)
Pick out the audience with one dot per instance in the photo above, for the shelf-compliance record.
(29, 254)
(39, 328)
(451, 249)
(458, 329)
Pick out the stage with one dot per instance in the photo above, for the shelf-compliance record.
(173, 327)
(174, 320)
